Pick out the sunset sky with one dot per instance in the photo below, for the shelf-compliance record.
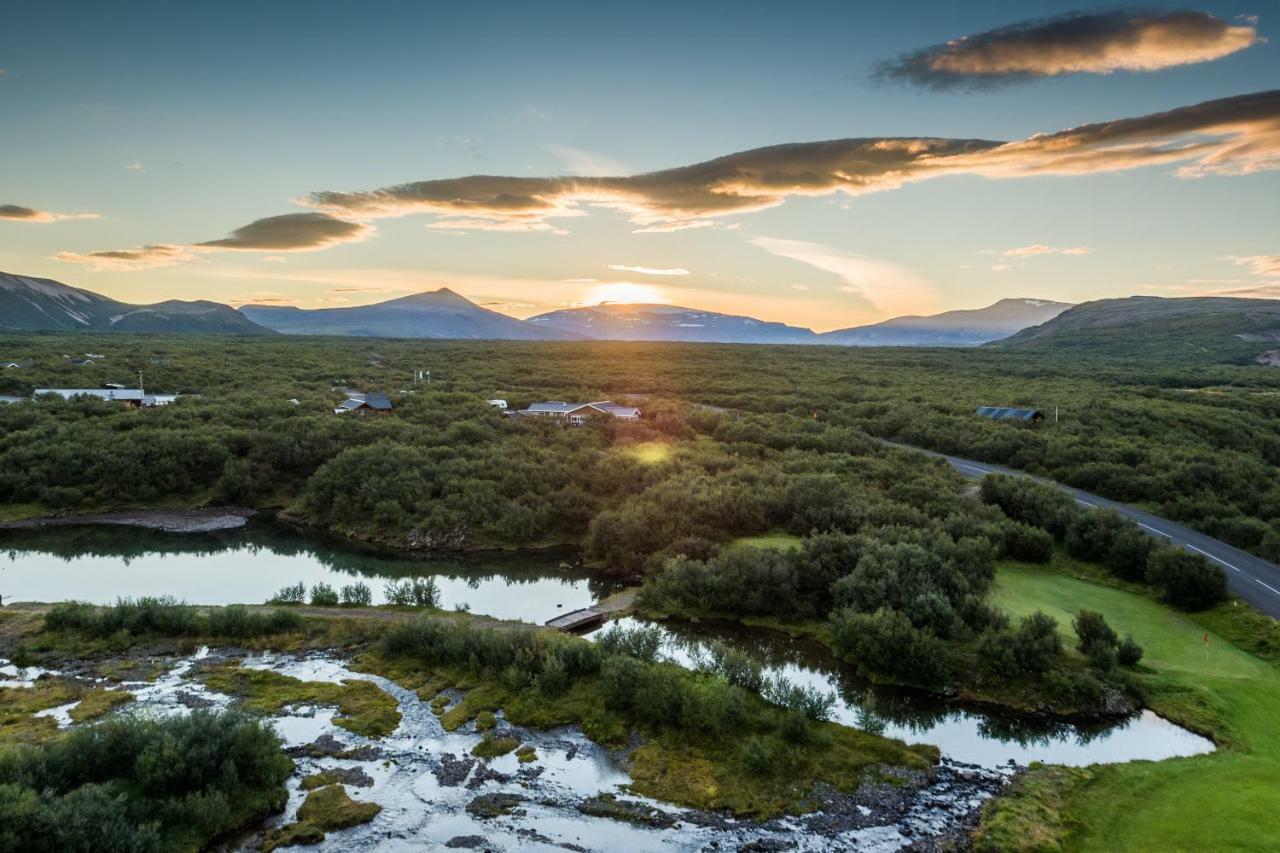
(147, 151)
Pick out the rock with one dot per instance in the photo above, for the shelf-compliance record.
(494, 805)
(467, 842)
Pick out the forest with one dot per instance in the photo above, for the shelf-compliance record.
(735, 441)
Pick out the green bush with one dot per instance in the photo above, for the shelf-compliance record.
(323, 595)
(1026, 543)
(415, 592)
(1128, 653)
(357, 594)
(885, 642)
(166, 617)
(1188, 581)
(295, 594)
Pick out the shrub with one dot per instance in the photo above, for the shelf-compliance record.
(1030, 502)
(323, 595)
(1128, 652)
(166, 617)
(757, 755)
(295, 594)
(1188, 581)
(1026, 543)
(415, 592)
(886, 642)
(1033, 647)
(643, 642)
(357, 594)
(1093, 631)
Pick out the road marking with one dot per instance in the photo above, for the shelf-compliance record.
(1086, 503)
(971, 467)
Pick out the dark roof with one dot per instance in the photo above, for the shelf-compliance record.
(377, 401)
(1008, 413)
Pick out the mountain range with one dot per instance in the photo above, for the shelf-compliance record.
(434, 314)
(40, 304)
(1206, 328)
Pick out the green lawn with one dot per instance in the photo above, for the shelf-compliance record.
(775, 539)
(1227, 800)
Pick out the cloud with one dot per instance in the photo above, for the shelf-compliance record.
(1230, 136)
(147, 257)
(1074, 43)
(1041, 249)
(878, 284)
(649, 270)
(292, 232)
(19, 213)
(1260, 264)
(582, 162)
(1237, 135)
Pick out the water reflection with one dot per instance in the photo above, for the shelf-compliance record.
(100, 564)
(987, 738)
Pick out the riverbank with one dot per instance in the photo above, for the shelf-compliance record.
(205, 520)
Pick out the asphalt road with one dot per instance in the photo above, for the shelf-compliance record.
(1253, 579)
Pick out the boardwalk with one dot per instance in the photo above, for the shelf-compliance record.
(577, 619)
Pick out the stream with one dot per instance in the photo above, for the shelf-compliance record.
(425, 777)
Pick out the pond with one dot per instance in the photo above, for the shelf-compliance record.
(101, 564)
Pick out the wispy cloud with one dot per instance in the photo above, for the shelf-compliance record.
(20, 213)
(1231, 136)
(1041, 249)
(151, 256)
(133, 167)
(579, 161)
(1235, 135)
(1260, 264)
(1074, 43)
(878, 284)
(649, 270)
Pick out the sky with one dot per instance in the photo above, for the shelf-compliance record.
(820, 164)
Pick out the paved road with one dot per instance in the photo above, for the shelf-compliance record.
(1253, 579)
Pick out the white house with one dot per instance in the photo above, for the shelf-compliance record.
(577, 414)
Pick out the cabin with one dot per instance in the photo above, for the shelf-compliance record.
(577, 414)
(13, 363)
(6, 400)
(134, 397)
(81, 362)
(1009, 413)
(365, 404)
(497, 404)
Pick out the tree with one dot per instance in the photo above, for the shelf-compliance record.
(1188, 581)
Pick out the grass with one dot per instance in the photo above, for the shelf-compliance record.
(98, 702)
(365, 709)
(18, 707)
(774, 539)
(1225, 800)
(492, 747)
(324, 810)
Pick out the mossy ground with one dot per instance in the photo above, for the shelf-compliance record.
(324, 810)
(98, 702)
(18, 707)
(491, 746)
(364, 708)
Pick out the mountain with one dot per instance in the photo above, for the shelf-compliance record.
(1208, 328)
(635, 322)
(42, 304)
(965, 328)
(436, 314)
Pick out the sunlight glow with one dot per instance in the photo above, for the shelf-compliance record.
(624, 291)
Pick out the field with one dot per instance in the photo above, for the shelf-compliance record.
(1226, 800)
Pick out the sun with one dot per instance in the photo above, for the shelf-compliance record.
(624, 291)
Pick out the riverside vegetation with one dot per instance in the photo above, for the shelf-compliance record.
(770, 503)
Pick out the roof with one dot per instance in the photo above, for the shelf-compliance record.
(1008, 413)
(101, 393)
(4, 398)
(372, 401)
(554, 407)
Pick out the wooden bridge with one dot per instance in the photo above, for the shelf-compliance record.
(577, 619)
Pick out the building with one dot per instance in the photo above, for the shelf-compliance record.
(577, 414)
(1008, 413)
(8, 363)
(81, 362)
(497, 404)
(135, 397)
(365, 404)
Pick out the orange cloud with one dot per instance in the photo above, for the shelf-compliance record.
(19, 213)
(1075, 43)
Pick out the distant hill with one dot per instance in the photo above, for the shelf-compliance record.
(42, 304)
(1210, 328)
(964, 328)
(435, 314)
(638, 322)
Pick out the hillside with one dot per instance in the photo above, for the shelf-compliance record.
(964, 328)
(435, 314)
(42, 304)
(638, 322)
(1215, 329)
